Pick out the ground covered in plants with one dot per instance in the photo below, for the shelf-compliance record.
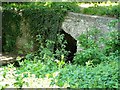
(95, 66)
(30, 74)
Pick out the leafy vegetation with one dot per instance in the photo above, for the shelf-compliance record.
(44, 20)
(103, 11)
(97, 47)
(104, 75)
(95, 66)
(84, 73)
(11, 30)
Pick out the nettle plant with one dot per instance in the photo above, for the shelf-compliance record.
(97, 47)
(46, 53)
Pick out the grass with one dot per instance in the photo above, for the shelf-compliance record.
(102, 9)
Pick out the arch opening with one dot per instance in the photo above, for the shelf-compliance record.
(70, 46)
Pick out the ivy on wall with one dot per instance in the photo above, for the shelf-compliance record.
(10, 29)
(44, 18)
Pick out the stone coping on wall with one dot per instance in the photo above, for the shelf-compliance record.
(77, 23)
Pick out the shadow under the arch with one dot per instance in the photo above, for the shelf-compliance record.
(70, 46)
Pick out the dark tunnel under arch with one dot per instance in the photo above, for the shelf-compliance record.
(70, 46)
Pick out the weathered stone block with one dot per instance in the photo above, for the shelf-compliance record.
(75, 24)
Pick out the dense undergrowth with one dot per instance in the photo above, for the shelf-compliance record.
(104, 75)
(95, 66)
